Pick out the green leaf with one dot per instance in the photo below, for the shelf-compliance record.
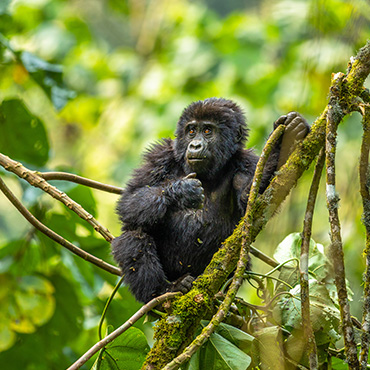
(236, 336)
(323, 313)
(49, 77)
(223, 355)
(290, 248)
(222, 352)
(23, 136)
(338, 364)
(127, 352)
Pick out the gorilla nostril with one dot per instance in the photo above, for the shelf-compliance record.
(195, 145)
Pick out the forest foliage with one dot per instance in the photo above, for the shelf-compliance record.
(85, 89)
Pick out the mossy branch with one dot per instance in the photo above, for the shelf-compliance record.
(174, 331)
(365, 194)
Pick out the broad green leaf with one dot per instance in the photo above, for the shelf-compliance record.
(49, 77)
(338, 364)
(236, 336)
(323, 313)
(290, 248)
(22, 135)
(127, 352)
(222, 354)
(268, 347)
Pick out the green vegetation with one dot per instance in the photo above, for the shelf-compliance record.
(86, 86)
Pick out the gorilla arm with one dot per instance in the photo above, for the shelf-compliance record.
(152, 191)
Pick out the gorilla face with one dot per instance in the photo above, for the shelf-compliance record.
(201, 138)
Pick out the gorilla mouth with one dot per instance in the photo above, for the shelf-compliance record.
(195, 160)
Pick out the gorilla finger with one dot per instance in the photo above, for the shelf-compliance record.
(280, 121)
(295, 124)
(291, 116)
(192, 175)
(188, 282)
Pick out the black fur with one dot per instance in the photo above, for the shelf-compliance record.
(173, 223)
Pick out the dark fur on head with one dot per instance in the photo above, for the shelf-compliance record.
(226, 114)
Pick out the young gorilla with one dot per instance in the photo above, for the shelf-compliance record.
(190, 194)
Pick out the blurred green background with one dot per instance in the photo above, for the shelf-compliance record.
(116, 76)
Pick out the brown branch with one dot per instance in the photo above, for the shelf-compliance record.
(54, 236)
(116, 333)
(242, 263)
(334, 116)
(309, 336)
(37, 181)
(65, 176)
(365, 195)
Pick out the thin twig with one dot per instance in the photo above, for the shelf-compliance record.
(116, 333)
(54, 236)
(105, 310)
(263, 257)
(334, 116)
(241, 265)
(37, 181)
(65, 176)
(309, 336)
(365, 195)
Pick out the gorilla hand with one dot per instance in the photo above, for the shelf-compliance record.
(296, 130)
(187, 192)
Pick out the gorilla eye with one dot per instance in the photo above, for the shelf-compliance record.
(191, 131)
(207, 131)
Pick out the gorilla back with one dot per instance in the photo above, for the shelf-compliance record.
(189, 195)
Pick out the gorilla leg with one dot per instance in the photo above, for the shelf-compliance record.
(135, 251)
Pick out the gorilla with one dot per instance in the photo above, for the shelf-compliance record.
(189, 195)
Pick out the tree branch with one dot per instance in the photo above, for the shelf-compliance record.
(365, 195)
(65, 176)
(54, 236)
(37, 181)
(334, 116)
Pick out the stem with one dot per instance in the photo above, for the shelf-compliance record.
(110, 299)
(305, 250)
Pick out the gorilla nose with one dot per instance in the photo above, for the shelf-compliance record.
(195, 145)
